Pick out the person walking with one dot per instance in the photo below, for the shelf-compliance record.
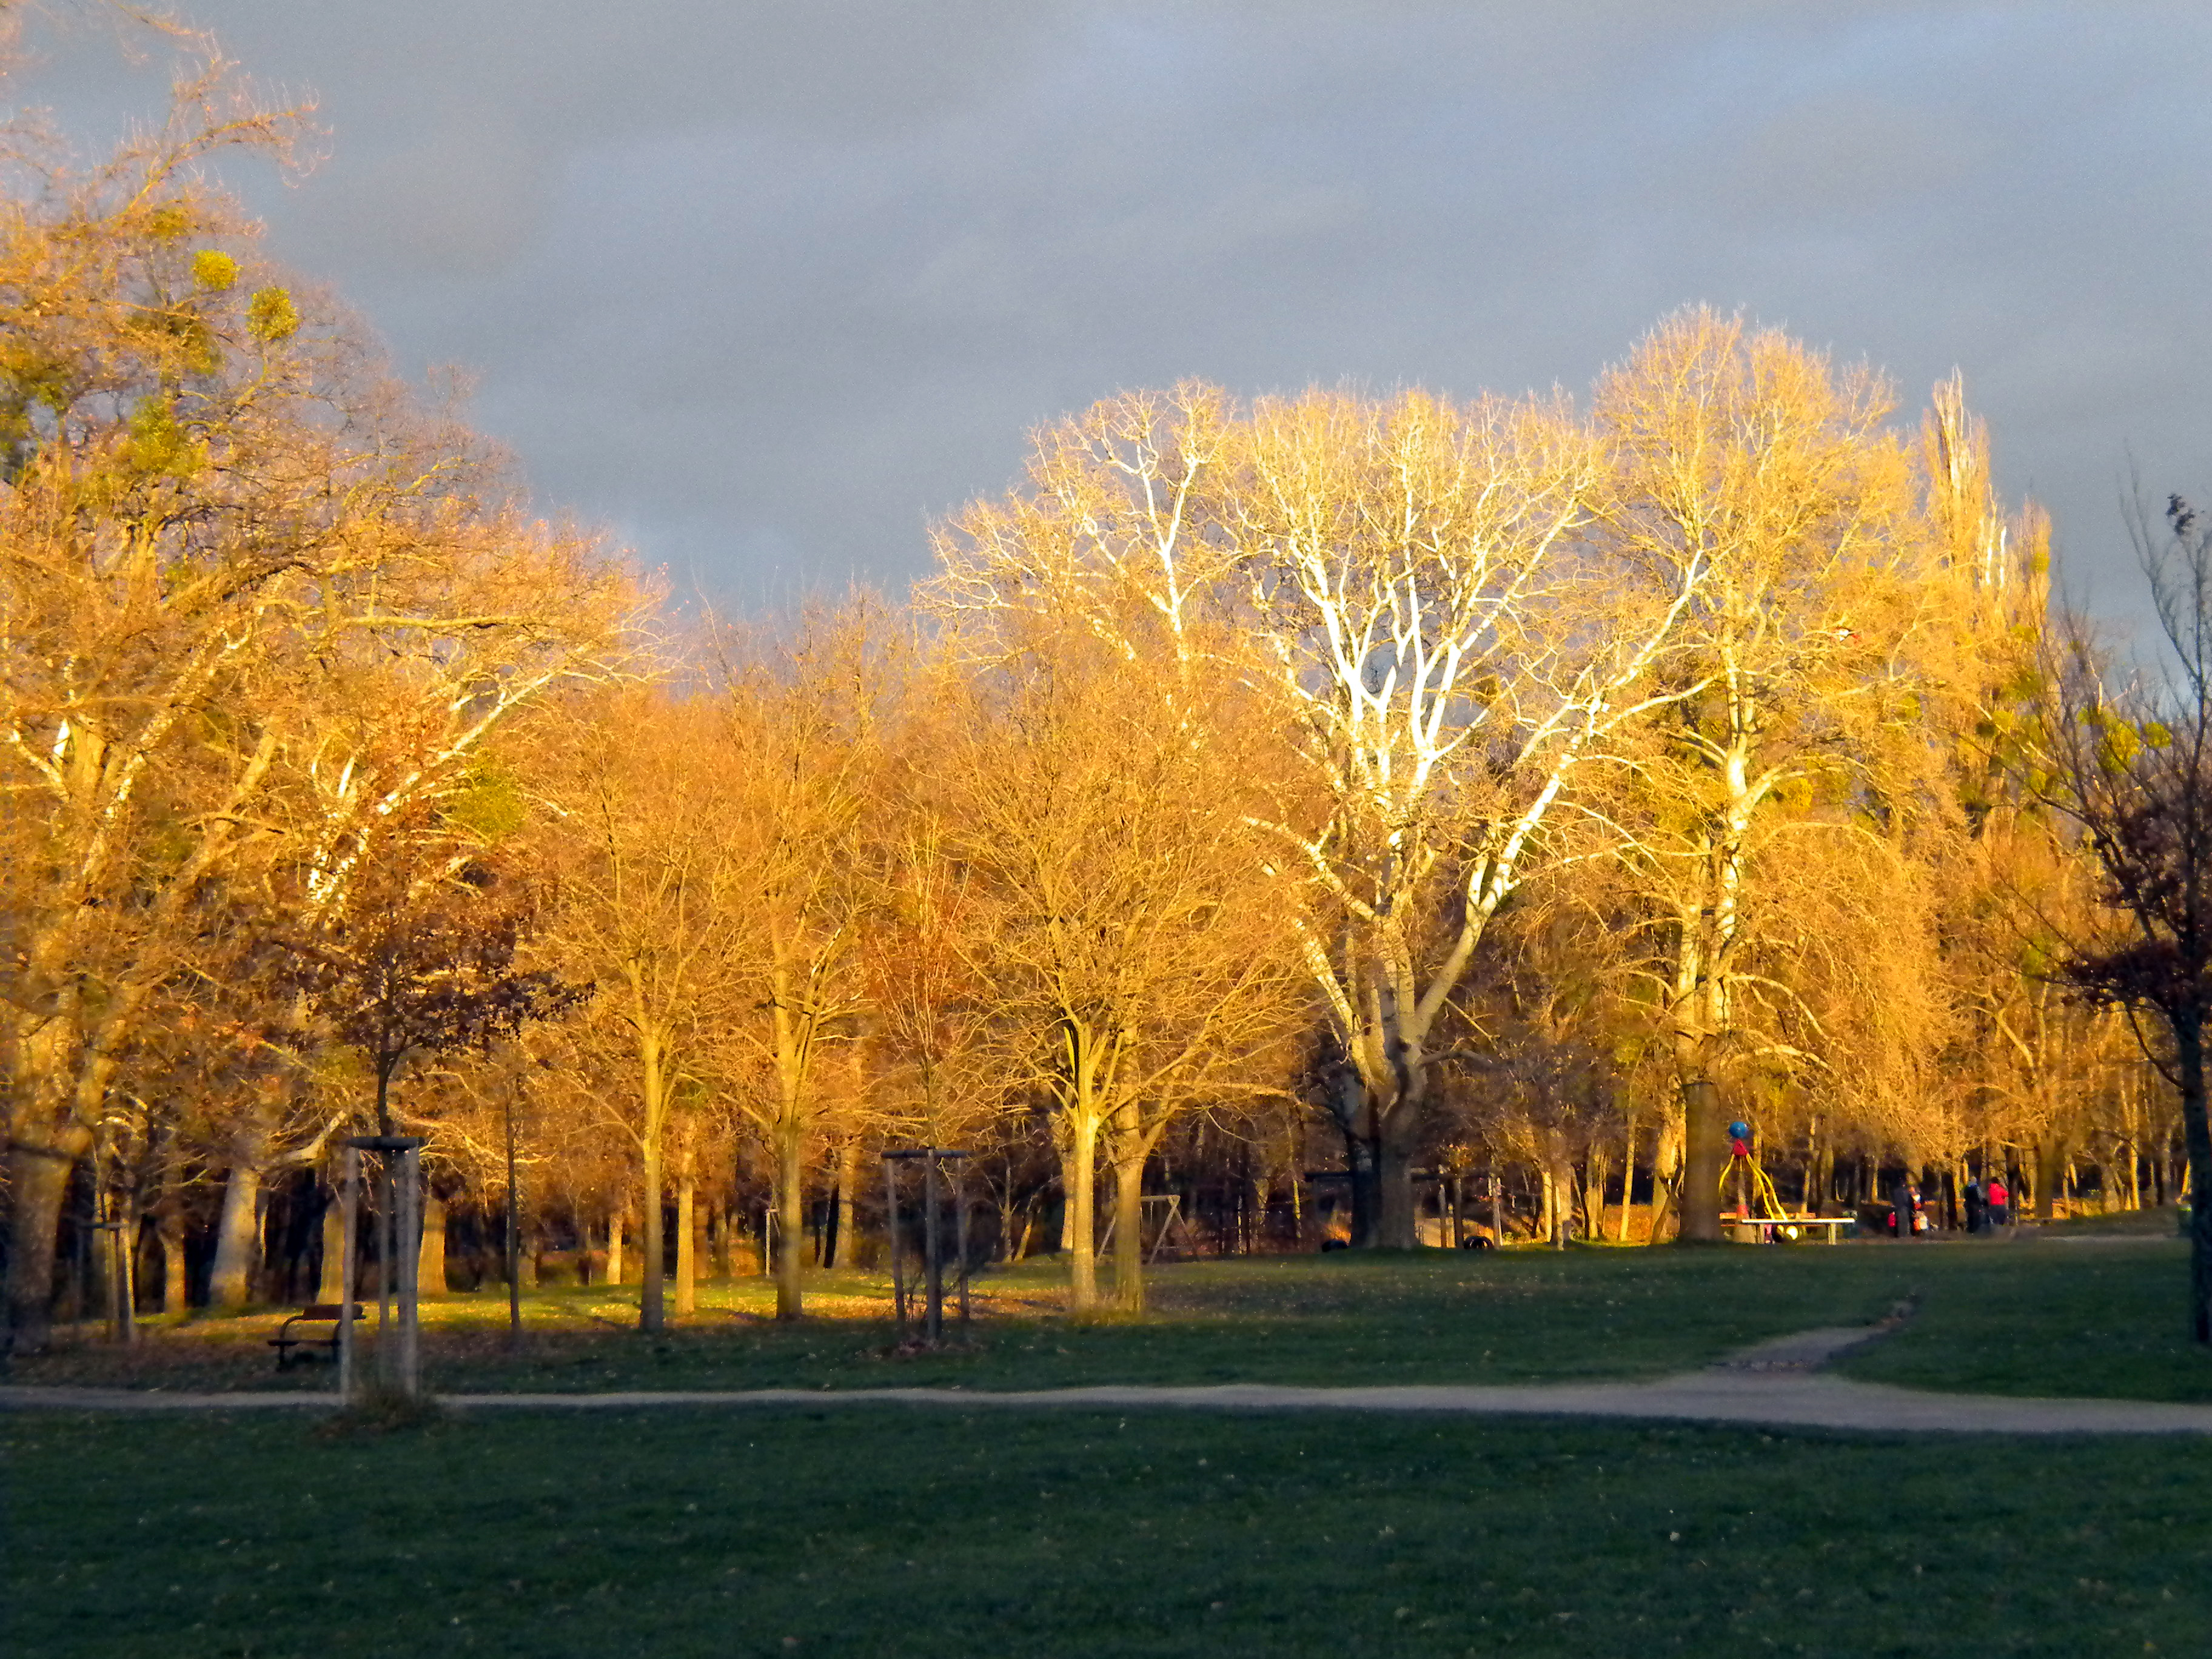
(1998, 1200)
(1976, 1212)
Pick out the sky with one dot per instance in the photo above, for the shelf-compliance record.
(766, 288)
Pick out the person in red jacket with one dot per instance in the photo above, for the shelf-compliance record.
(1998, 1201)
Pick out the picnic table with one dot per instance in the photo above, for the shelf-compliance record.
(1782, 1229)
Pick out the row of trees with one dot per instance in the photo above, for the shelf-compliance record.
(1510, 780)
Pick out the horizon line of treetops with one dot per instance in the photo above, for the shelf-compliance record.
(1418, 787)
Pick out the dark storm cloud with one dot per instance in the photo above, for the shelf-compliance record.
(764, 286)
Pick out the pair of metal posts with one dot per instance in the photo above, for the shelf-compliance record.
(398, 1350)
(935, 1161)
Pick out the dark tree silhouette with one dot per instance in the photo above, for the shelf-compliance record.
(2132, 764)
(426, 964)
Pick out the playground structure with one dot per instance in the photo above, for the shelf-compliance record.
(1772, 1222)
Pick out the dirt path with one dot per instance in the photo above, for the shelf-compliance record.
(1776, 1384)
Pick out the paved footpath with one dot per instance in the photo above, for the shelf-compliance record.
(1777, 1384)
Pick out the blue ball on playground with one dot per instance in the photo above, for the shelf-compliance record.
(1738, 1130)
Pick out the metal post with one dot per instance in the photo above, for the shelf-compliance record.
(410, 1224)
(931, 1254)
(349, 1212)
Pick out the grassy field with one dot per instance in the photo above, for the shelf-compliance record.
(2080, 1312)
(871, 1530)
(868, 1529)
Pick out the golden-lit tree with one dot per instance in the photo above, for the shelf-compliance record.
(803, 723)
(1134, 966)
(1404, 584)
(651, 881)
(219, 526)
(1769, 820)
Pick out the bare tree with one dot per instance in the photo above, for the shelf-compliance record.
(803, 722)
(1405, 584)
(2132, 764)
(1768, 822)
(651, 883)
(1133, 966)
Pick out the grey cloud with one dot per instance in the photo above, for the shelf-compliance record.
(765, 285)
(1847, 156)
(466, 199)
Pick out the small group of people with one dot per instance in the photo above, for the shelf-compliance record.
(1989, 1204)
(1987, 1201)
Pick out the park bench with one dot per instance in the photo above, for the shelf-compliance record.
(314, 1313)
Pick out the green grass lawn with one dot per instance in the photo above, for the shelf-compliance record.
(2087, 1317)
(871, 1530)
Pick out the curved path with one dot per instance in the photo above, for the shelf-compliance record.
(1777, 1384)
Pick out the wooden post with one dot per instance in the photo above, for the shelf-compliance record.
(409, 1222)
(348, 1210)
(960, 1234)
(934, 1328)
(891, 1214)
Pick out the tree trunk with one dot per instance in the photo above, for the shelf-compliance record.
(39, 1185)
(790, 1219)
(1397, 1218)
(1129, 1235)
(2050, 1163)
(430, 1258)
(126, 1239)
(653, 1056)
(1704, 1144)
(1082, 1232)
(169, 1228)
(687, 1248)
(652, 1311)
(615, 1247)
(330, 1285)
(1665, 1175)
(2188, 1067)
(237, 1239)
(1627, 1180)
(1349, 1103)
(837, 1236)
(702, 1242)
